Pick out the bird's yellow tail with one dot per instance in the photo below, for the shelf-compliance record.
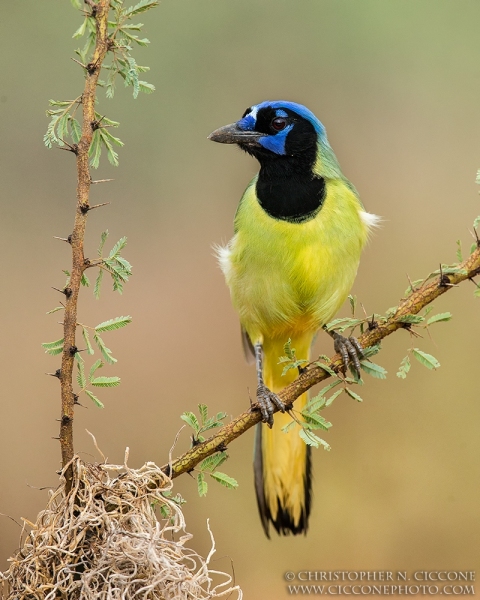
(282, 460)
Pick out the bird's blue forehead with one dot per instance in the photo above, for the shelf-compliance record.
(249, 121)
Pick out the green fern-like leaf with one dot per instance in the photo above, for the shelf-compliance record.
(96, 365)
(353, 395)
(441, 317)
(404, 368)
(95, 399)
(105, 381)
(425, 359)
(373, 369)
(86, 337)
(81, 379)
(106, 352)
(311, 439)
(112, 324)
(202, 484)
(55, 344)
(191, 420)
(225, 480)
(333, 397)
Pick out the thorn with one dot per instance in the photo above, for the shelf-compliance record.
(412, 287)
(474, 234)
(103, 203)
(76, 402)
(55, 237)
(67, 149)
(101, 181)
(79, 63)
(444, 279)
(96, 124)
(55, 438)
(67, 291)
(71, 147)
(413, 332)
(474, 282)
(92, 66)
(372, 324)
(56, 374)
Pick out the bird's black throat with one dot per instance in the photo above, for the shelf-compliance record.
(287, 189)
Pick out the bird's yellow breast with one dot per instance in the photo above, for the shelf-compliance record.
(287, 278)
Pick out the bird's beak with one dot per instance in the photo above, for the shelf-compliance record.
(232, 134)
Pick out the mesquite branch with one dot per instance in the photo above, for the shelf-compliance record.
(92, 70)
(420, 297)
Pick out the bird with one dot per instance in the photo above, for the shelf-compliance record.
(299, 231)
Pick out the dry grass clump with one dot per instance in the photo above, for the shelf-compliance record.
(105, 541)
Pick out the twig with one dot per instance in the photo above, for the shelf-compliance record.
(78, 265)
(312, 374)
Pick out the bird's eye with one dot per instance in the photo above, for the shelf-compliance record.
(279, 123)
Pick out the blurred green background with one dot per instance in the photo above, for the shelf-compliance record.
(397, 85)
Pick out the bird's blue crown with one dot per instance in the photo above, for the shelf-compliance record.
(276, 143)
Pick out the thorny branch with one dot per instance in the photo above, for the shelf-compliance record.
(92, 71)
(420, 297)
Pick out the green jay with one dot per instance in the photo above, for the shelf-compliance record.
(299, 230)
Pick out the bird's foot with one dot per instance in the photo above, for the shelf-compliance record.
(267, 400)
(349, 349)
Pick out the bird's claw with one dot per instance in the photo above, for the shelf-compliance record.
(349, 349)
(266, 400)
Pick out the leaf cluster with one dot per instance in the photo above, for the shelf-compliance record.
(310, 419)
(203, 424)
(209, 465)
(122, 39)
(290, 358)
(114, 264)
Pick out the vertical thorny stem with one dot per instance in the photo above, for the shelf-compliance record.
(100, 14)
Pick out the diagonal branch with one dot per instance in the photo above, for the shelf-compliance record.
(77, 238)
(418, 299)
